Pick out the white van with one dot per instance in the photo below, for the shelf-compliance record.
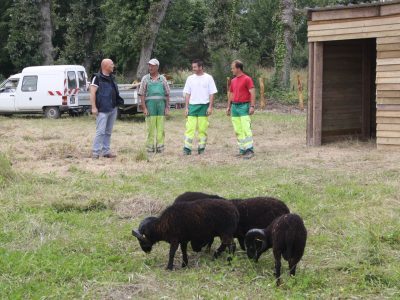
(51, 90)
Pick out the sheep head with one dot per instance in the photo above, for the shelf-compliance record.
(144, 234)
(256, 243)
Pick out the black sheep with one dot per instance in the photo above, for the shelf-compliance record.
(256, 212)
(286, 235)
(197, 245)
(192, 196)
(183, 222)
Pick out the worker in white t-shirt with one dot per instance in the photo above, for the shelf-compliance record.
(199, 93)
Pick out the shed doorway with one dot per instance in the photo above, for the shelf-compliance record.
(348, 94)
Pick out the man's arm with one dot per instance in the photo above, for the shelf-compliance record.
(252, 100)
(142, 95)
(167, 93)
(93, 90)
(210, 105)
(187, 99)
(230, 99)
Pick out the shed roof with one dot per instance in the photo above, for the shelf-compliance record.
(342, 6)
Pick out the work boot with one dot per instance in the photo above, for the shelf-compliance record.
(248, 154)
(240, 154)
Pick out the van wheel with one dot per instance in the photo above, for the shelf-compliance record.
(52, 112)
(119, 113)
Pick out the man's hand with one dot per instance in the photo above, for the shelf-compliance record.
(251, 110)
(166, 110)
(95, 112)
(186, 111)
(145, 111)
(228, 111)
(209, 111)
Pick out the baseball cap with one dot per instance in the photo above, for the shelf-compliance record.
(154, 62)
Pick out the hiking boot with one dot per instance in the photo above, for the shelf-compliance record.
(200, 151)
(187, 151)
(248, 154)
(109, 155)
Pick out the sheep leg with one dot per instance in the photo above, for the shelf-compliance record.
(172, 250)
(184, 254)
(241, 243)
(277, 256)
(292, 266)
(220, 250)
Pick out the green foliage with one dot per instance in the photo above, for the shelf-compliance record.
(124, 30)
(84, 33)
(181, 37)
(24, 37)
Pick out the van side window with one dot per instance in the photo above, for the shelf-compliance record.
(29, 84)
(82, 80)
(71, 80)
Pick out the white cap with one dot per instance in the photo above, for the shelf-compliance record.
(154, 62)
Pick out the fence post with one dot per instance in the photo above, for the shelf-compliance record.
(300, 92)
(263, 102)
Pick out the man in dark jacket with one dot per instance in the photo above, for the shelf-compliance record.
(104, 98)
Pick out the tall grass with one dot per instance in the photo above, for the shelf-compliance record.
(6, 172)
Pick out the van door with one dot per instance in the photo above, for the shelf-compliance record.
(72, 88)
(7, 95)
(28, 98)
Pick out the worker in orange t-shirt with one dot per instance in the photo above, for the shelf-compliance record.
(241, 104)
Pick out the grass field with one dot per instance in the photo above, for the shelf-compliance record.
(66, 220)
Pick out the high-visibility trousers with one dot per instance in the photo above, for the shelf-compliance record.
(197, 120)
(241, 122)
(155, 125)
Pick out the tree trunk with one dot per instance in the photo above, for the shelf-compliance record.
(288, 11)
(46, 45)
(156, 16)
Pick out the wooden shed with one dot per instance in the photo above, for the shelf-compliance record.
(354, 73)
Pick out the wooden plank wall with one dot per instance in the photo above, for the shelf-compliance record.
(388, 93)
(383, 23)
(342, 92)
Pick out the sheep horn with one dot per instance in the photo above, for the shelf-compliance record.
(137, 234)
(258, 234)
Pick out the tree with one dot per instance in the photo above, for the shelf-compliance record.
(156, 15)
(181, 37)
(287, 20)
(6, 66)
(85, 28)
(46, 32)
(23, 44)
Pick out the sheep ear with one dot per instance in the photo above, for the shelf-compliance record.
(138, 235)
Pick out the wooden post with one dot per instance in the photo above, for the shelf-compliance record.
(300, 92)
(317, 92)
(366, 91)
(263, 103)
(310, 94)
